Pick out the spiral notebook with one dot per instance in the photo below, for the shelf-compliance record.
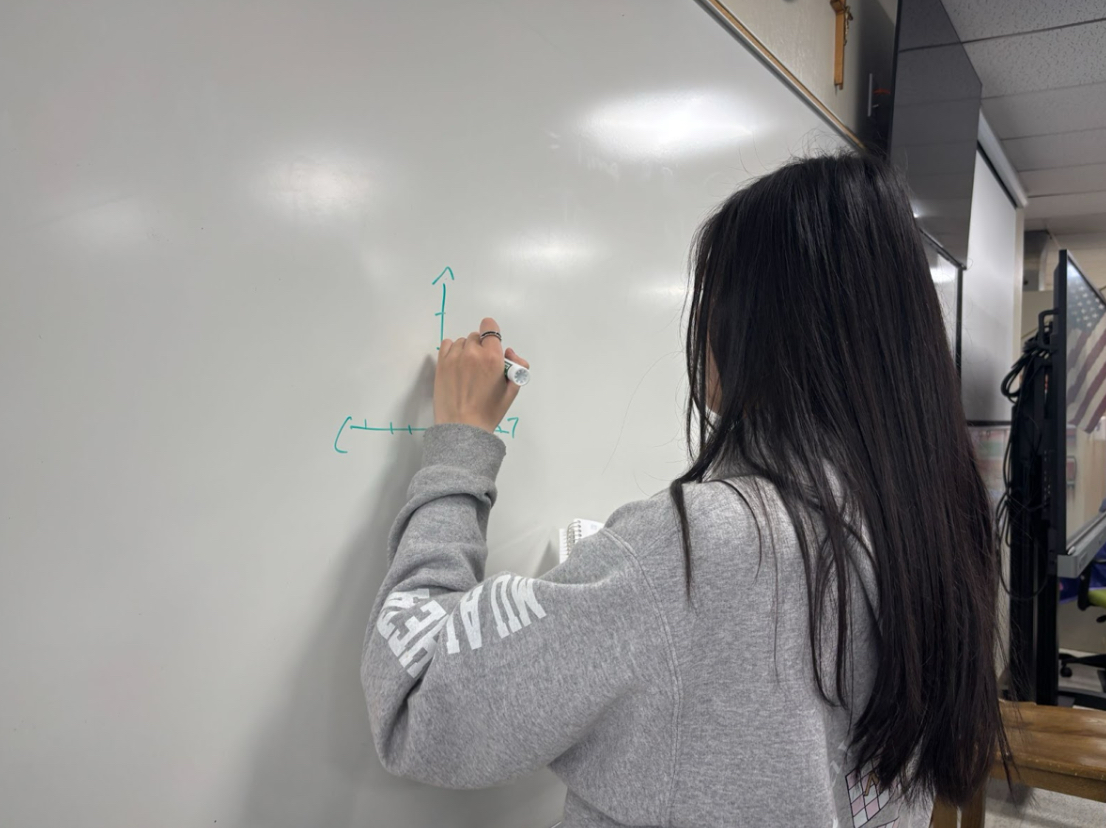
(576, 532)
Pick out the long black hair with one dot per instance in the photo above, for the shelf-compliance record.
(815, 340)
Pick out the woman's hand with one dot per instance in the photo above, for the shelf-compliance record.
(470, 386)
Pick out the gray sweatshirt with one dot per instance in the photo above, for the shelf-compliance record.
(652, 711)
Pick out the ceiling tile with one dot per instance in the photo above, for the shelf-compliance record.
(1083, 241)
(1064, 149)
(1050, 110)
(1061, 180)
(1045, 60)
(1066, 205)
(986, 18)
(1072, 226)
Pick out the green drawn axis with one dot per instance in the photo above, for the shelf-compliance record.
(441, 325)
(392, 428)
(441, 315)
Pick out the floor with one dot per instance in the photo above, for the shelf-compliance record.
(1040, 809)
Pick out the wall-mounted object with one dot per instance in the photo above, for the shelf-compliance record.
(843, 16)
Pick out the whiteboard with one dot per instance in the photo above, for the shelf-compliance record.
(223, 230)
(991, 283)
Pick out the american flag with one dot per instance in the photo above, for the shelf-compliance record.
(1086, 352)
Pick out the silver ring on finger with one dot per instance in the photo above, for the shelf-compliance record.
(496, 334)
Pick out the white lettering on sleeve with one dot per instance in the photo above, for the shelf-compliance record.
(451, 645)
(503, 585)
(384, 624)
(522, 590)
(500, 627)
(399, 642)
(470, 616)
(425, 645)
(514, 606)
(396, 601)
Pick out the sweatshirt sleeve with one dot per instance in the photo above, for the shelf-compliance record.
(471, 682)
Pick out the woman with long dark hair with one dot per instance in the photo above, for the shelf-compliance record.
(801, 631)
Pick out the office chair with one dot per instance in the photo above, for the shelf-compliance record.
(1087, 598)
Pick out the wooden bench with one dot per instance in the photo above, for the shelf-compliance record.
(1055, 748)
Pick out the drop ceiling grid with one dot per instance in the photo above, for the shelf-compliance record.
(1072, 204)
(975, 19)
(1057, 180)
(1061, 149)
(1046, 111)
(1044, 60)
(1089, 228)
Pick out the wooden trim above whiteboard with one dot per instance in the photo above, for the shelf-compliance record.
(719, 10)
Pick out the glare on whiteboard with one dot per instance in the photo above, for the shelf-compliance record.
(114, 224)
(671, 288)
(316, 186)
(554, 249)
(660, 126)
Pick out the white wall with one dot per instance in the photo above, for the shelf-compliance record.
(1033, 302)
(1019, 293)
(801, 35)
(989, 314)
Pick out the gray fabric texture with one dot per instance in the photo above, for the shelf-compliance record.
(653, 711)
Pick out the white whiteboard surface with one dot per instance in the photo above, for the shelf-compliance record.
(991, 282)
(219, 228)
(944, 274)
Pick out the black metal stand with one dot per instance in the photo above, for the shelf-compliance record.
(1037, 521)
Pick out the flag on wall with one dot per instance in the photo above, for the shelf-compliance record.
(1086, 320)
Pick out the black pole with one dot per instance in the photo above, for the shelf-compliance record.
(1055, 481)
(1026, 520)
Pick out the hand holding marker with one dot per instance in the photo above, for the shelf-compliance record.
(476, 382)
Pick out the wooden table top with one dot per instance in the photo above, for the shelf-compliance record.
(1062, 740)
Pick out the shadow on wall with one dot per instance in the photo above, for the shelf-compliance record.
(315, 763)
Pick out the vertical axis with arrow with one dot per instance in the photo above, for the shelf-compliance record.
(441, 314)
